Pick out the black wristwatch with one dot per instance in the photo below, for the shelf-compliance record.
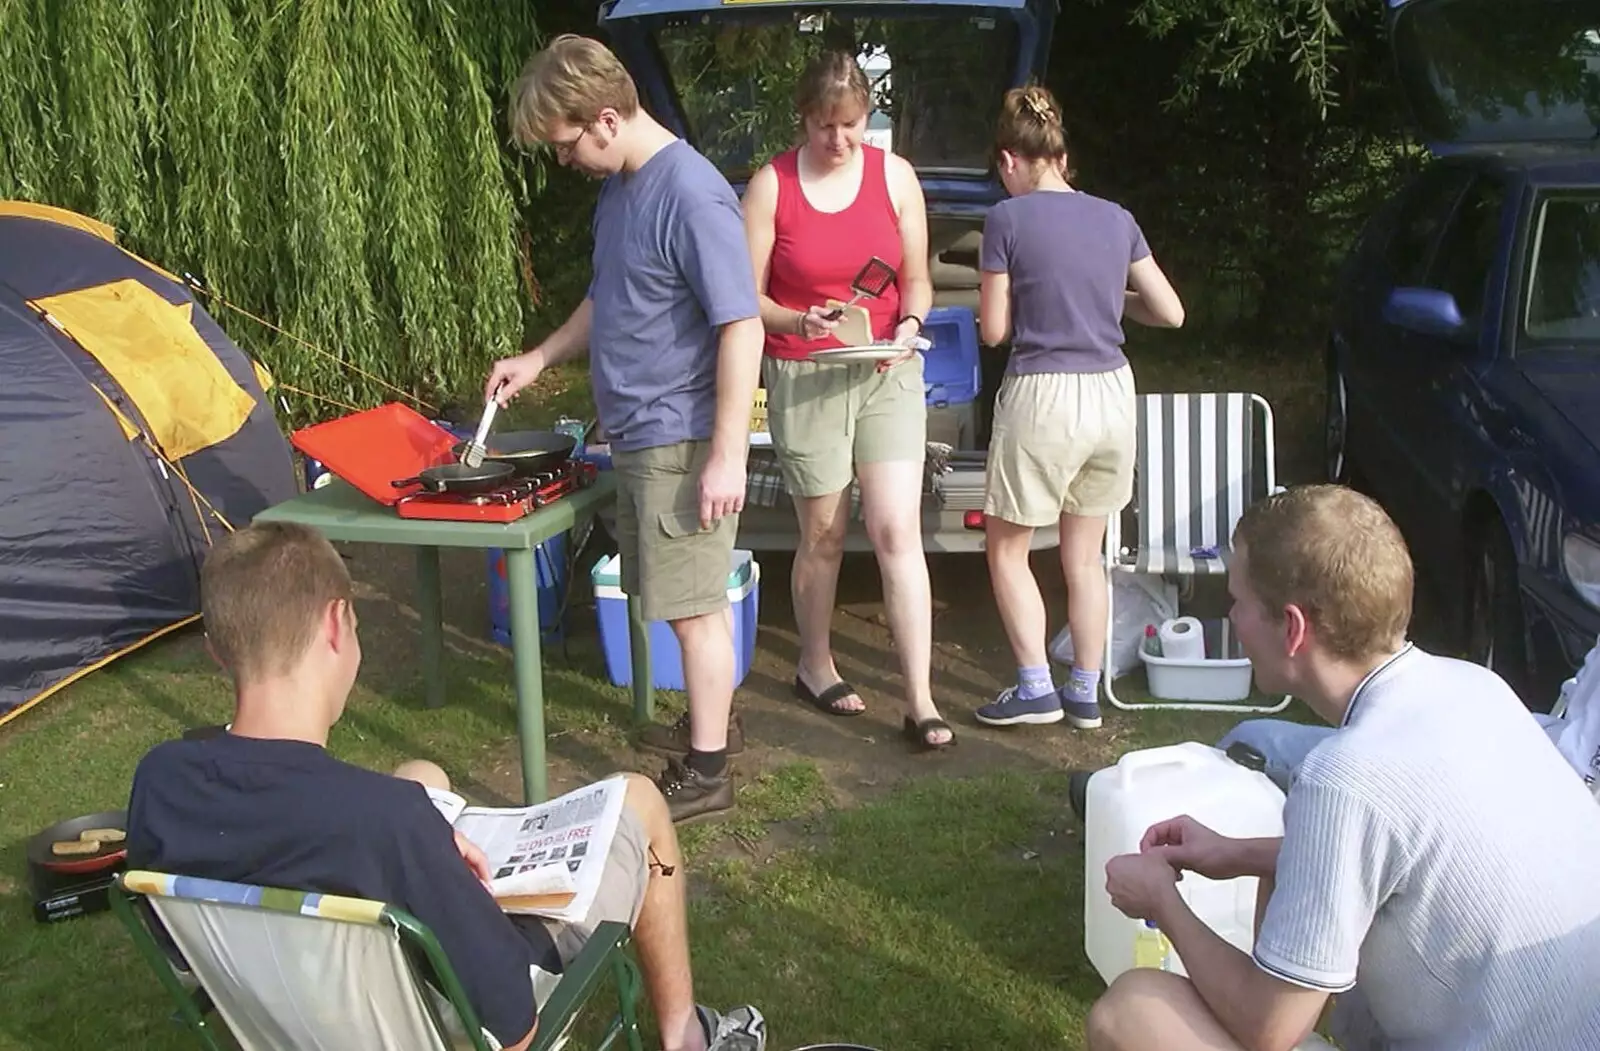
(910, 317)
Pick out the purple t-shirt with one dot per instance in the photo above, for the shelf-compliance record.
(1068, 256)
(671, 267)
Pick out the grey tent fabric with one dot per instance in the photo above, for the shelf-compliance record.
(100, 542)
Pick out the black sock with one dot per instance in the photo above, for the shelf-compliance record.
(708, 764)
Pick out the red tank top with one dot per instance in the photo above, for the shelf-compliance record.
(816, 254)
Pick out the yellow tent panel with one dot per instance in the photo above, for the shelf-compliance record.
(104, 231)
(263, 377)
(30, 210)
(187, 399)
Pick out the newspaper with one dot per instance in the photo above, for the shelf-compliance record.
(546, 859)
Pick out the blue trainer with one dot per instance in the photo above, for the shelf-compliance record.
(1008, 709)
(1082, 714)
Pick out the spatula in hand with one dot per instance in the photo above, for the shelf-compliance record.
(873, 280)
(477, 449)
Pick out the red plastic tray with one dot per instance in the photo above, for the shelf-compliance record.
(373, 448)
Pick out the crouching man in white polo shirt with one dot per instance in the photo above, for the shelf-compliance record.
(1439, 872)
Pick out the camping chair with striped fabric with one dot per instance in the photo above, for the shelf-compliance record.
(288, 970)
(1196, 472)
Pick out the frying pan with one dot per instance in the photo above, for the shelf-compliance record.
(459, 478)
(109, 855)
(528, 452)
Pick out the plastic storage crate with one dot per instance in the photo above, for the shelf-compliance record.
(950, 369)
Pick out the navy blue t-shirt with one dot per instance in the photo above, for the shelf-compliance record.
(287, 814)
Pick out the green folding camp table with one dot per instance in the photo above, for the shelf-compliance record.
(342, 513)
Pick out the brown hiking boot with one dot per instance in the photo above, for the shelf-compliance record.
(690, 793)
(674, 739)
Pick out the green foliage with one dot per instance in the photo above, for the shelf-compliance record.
(1234, 36)
(338, 168)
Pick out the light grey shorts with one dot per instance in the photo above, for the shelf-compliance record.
(623, 883)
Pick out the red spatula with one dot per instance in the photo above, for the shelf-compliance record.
(873, 280)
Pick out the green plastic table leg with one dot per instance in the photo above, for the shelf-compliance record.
(644, 687)
(430, 608)
(523, 585)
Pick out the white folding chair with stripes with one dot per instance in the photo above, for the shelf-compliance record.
(1197, 471)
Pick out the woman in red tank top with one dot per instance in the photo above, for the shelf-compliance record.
(813, 217)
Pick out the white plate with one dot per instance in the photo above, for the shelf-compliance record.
(857, 355)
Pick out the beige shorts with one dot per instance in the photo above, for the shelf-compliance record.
(1062, 443)
(620, 896)
(825, 419)
(677, 568)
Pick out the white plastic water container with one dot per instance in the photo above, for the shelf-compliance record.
(1150, 786)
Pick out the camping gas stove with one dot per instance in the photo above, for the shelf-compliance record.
(518, 497)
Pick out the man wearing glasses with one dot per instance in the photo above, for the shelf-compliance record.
(673, 327)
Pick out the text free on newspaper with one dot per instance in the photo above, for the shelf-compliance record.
(545, 859)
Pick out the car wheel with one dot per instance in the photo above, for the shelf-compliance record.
(1336, 429)
(1495, 635)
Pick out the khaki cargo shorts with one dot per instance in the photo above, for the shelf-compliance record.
(676, 568)
(825, 419)
(1062, 443)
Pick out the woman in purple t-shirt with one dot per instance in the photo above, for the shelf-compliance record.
(1060, 270)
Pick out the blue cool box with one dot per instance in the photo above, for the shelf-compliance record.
(666, 657)
(951, 373)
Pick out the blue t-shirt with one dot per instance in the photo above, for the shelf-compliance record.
(287, 814)
(1068, 256)
(671, 267)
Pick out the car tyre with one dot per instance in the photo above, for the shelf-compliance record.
(1495, 634)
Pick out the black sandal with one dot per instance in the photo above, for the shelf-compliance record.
(917, 733)
(825, 701)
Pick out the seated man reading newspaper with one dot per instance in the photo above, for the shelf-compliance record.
(264, 803)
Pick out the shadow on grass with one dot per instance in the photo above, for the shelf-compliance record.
(925, 920)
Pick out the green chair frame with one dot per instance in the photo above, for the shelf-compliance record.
(607, 953)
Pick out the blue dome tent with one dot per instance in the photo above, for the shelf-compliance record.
(133, 433)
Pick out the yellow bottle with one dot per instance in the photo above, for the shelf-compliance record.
(1151, 948)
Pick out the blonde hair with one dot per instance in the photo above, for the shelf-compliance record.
(1030, 125)
(263, 590)
(829, 79)
(1338, 556)
(569, 82)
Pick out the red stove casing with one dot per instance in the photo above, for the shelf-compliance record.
(510, 502)
(372, 449)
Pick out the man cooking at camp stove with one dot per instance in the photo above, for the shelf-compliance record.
(672, 325)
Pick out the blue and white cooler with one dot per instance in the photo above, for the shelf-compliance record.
(666, 657)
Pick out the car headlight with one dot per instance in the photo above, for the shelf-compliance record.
(1581, 559)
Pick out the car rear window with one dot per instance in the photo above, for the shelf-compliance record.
(937, 82)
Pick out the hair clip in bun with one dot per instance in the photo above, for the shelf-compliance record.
(1038, 107)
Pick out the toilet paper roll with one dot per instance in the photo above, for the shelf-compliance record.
(1183, 639)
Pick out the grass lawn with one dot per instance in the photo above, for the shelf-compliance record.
(944, 912)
